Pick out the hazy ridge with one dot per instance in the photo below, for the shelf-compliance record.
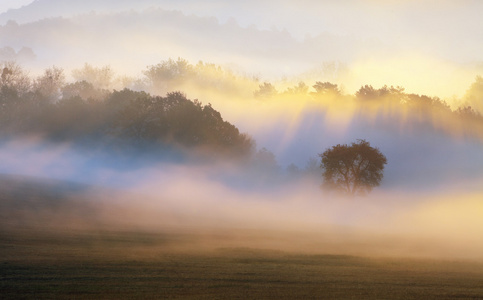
(131, 35)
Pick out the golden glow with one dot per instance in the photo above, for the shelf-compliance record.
(417, 74)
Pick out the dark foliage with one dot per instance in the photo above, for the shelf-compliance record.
(354, 169)
(325, 88)
(467, 112)
(176, 120)
(266, 90)
(122, 117)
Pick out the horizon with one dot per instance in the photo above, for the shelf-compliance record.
(376, 42)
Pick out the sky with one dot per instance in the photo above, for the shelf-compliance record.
(380, 42)
(12, 4)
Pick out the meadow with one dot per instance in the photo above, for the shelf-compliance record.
(44, 258)
(122, 265)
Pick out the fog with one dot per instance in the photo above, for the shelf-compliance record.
(13, 4)
(379, 43)
(429, 203)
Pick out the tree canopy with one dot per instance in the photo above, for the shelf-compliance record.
(352, 169)
(81, 111)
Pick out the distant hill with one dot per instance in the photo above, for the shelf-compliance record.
(129, 35)
(41, 9)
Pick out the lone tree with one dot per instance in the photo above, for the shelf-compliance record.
(354, 169)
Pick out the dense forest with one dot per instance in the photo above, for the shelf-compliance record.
(79, 111)
(96, 106)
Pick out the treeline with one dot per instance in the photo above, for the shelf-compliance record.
(48, 107)
(99, 105)
(470, 106)
(177, 74)
(171, 75)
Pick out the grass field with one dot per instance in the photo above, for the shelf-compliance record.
(43, 259)
(117, 265)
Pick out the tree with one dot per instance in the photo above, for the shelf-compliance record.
(266, 90)
(49, 85)
(368, 93)
(100, 78)
(474, 95)
(468, 113)
(300, 89)
(354, 169)
(169, 75)
(325, 88)
(84, 90)
(176, 120)
(13, 77)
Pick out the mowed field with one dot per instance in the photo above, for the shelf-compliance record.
(42, 259)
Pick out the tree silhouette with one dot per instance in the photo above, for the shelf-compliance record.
(266, 90)
(468, 113)
(354, 169)
(48, 86)
(101, 78)
(325, 88)
(175, 120)
(474, 95)
(169, 75)
(13, 77)
(300, 89)
(84, 90)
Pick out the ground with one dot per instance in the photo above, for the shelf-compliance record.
(54, 245)
(127, 265)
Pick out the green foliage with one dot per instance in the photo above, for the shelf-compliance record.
(354, 169)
